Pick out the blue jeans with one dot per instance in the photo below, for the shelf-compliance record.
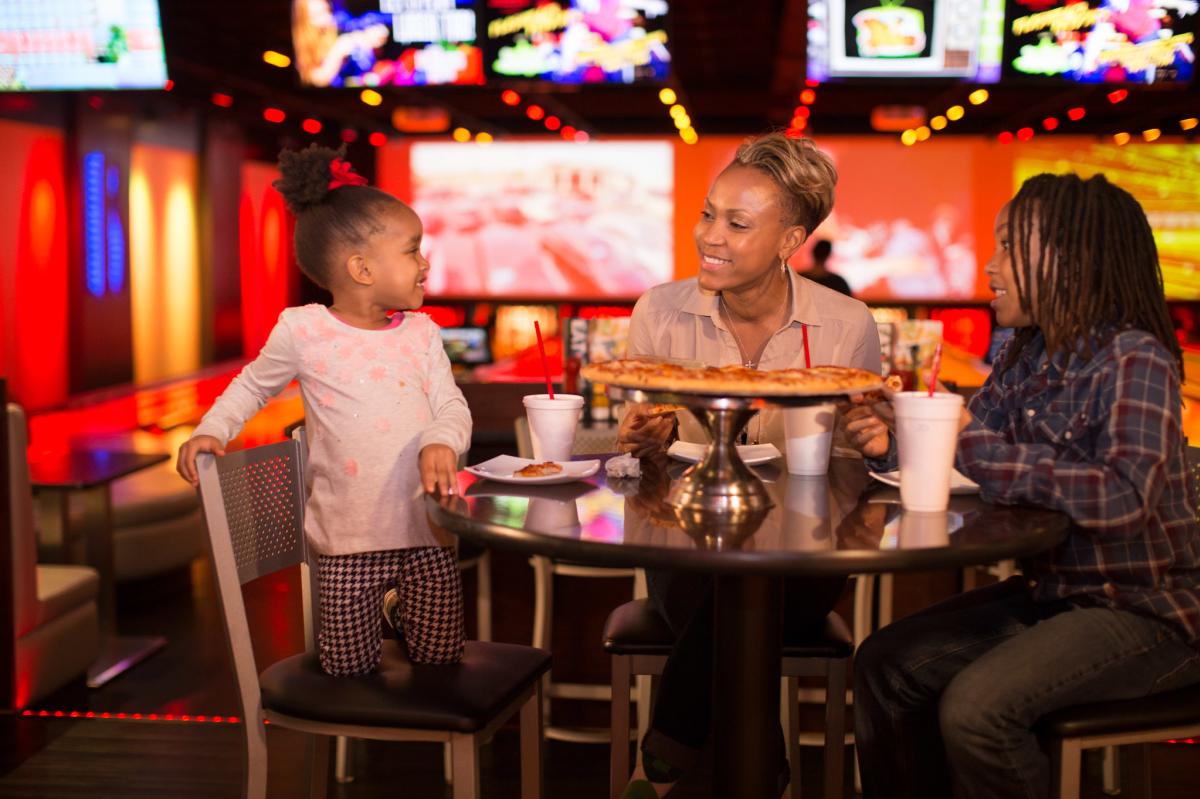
(945, 700)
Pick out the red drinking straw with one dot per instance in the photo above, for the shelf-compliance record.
(807, 360)
(937, 364)
(545, 364)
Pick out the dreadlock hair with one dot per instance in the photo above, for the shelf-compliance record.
(327, 220)
(1096, 267)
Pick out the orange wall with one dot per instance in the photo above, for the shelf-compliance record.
(33, 264)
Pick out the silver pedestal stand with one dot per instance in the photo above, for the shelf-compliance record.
(719, 497)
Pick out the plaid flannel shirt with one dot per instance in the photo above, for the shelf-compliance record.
(1100, 440)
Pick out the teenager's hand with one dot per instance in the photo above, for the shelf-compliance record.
(439, 469)
(868, 420)
(965, 417)
(641, 433)
(186, 463)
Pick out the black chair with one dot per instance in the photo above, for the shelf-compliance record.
(253, 506)
(639, 641)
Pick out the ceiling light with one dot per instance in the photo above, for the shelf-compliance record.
(667, 97)
(371, 97)
(276, 59)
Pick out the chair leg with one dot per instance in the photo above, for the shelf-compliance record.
(789, 717)
(645, 703)
(318, 765)
(835, 728)
(531, 746)
(447, 764)
(886, 582)
(618, 758)
(256, 760)
(466, 766)
(483, 596)
(341, 761)
(1070, 764)
(543, 618)
(864, 601)
(1111, 770)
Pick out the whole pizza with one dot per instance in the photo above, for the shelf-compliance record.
(731, 380)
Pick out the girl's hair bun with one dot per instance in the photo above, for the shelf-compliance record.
(304, 176)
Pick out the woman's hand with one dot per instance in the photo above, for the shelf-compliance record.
(439, 469)
(186, 463)
(643, 433)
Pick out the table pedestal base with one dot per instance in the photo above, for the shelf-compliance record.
(748, 628)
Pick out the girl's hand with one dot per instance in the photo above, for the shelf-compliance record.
(642, 433)
(965, 417)
(186, 463)
(439, 469)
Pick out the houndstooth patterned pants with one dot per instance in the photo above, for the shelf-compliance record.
(352, 589)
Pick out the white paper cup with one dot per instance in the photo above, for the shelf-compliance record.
(926, 438)
(808, 432)
(806, 512)
(552, 424)
(923, 529)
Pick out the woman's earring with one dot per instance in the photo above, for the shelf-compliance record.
(783, 267)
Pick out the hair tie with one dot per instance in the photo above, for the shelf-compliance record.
(343, 175)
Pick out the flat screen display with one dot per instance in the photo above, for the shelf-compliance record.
(905, 39)
(81, 44)
(386, 42)
(545, 219)
(1165, 180)
(579, 41)
(1102, 41)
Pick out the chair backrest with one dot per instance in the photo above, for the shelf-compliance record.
(22, 533)
(253, 504)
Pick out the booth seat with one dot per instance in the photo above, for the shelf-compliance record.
(56, 626)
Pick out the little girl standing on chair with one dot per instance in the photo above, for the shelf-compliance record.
(385, 419)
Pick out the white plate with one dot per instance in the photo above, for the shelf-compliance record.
(751, 454)
(959, 482)
(502, 467)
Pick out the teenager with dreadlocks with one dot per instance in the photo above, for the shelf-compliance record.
(1081, 414)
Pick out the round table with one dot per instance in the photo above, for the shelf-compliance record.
(841, 524)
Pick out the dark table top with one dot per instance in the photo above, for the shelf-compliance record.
(80, 469)
(842, 524)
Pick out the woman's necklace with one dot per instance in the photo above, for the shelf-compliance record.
(747, 361)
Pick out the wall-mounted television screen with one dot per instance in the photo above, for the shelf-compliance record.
(81, 44)
(905, 39)
(386, 42)
(579, 41)
(466, 345)
(1165, 179)
(1102, 41)
(545, 219)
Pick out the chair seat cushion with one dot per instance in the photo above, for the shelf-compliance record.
(62, 589)
(1178, 708)
(463, 697)
(152, 495)
(635, 628)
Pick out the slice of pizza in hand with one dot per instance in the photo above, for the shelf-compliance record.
(538, 470)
